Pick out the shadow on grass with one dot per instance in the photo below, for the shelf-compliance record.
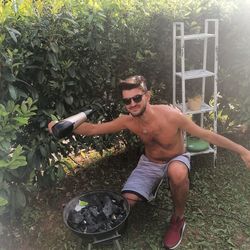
(218, 208)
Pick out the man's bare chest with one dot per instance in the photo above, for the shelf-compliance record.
(160, 133)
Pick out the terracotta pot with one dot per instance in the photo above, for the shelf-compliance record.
(194, 103)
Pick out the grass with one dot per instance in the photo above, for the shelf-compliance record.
(218, 208)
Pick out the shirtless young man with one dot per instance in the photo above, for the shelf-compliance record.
(160, 128)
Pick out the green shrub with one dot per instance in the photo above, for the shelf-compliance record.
(69, 56)
(13, 174)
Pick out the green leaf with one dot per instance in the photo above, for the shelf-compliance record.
(2, 37)
(8, 76)
(31, 177)
(5, 145)
(72, 71)
(43, 124)
(3, 164)
(10, 106)
(100, 26)
(54, 47)
(41, 77)
(30, 102)
(52, 59)
(14, 31)
(60, 173)
(43, 151)
(70, 83)
(21, 120)
(20, 162)
(69, 20)
(17, 152)
(53, 117)
(60, 109)
(12, 34)
(3, 202)
(33, 108)
(52, 175)
(17, 160)
(90, 19)
(12, 92)
(24, 108)
(69, 99)
(3, 111)
(53, 147)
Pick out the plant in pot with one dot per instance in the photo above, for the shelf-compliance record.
(194, 98)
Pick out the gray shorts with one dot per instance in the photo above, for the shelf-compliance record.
(147, 175)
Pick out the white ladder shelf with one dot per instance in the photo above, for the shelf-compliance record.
(201, 73)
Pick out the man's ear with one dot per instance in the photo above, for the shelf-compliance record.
(148, 94)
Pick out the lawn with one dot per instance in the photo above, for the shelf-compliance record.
(218, 209)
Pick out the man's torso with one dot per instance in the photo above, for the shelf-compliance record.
(162, 138)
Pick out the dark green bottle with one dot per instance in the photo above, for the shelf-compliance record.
(65, 127)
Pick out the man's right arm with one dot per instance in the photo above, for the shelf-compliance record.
(87, 128)
(114, 126)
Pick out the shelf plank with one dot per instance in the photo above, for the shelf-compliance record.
(204, 108)
(208, 151)
(194, 74)
(200, 36)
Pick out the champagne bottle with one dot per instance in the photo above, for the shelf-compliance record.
(65, 127)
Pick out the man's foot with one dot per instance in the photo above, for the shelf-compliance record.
(174, 234)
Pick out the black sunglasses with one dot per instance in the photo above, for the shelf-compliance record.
(136, 99)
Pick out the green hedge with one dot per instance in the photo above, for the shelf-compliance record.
(14, 176)
(69, 56)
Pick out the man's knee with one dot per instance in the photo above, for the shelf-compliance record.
(178, 173)
(131, 198)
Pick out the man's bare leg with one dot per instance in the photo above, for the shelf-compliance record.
(179, 185)
(131, 198)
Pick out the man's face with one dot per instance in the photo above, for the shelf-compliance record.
(135, 101)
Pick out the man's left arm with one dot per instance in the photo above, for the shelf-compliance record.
(213, 138)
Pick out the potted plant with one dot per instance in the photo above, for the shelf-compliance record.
(194, 98)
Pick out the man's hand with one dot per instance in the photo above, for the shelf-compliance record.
(246, 158)
(50, 125)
